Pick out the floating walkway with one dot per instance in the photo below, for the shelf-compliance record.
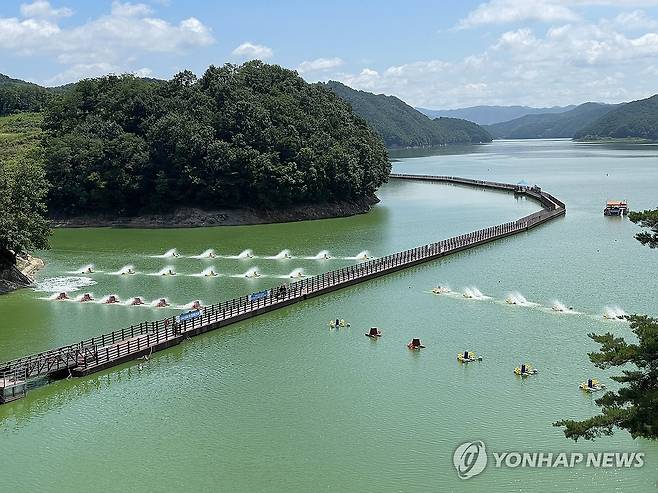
(138, 341)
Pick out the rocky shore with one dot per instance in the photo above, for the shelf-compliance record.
(21, 275)
(196, 218)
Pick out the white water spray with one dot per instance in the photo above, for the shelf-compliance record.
(517, 298)
(126, 270)
(208, 254)
(282, 255)
(167, 271)
(172, 253)
(473, 293)
(209, 272)
(252, 273)
(614, 313)
(63, 284)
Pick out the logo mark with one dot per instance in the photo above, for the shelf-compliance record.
(470, 459)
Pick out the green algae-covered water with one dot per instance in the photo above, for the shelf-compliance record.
(283, 403)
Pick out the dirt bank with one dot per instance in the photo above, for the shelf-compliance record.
(21, 275)
(196, 218)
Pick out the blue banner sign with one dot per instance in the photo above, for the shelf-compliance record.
(189, 315)
(259, 295)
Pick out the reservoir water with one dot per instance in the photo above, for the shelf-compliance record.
(284, 403)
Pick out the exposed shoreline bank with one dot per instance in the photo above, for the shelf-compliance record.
(190, 217)
(20, 275)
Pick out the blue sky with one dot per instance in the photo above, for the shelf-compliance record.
(438, 54)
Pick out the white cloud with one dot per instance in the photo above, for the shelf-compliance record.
(111, 42)
(514, 11)
(128, 9)
(82, 71)
(252, 50)
(43, 9)
(635, 20)
(506, 11)
(319, 64)
(565, 64)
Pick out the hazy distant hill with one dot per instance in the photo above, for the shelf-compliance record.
(634, 120)
(488, 115)
(400, 125)
(551, 125)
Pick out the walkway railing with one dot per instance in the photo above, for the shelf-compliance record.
(130, 343)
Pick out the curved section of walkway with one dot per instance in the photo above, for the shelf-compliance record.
(130, 343)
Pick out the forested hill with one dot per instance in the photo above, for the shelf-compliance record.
(551, 125)
(634, 120)
(488, 115)
(254, 135)
(19, 96)
(400, 125)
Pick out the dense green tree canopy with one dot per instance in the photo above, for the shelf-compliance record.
(23, 226)
(646, 219)
(251, 135)
(634, 407)
(23, 187)
(15, 98)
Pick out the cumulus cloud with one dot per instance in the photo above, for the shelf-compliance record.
(505, 11)
(105, 43)
(511, 11)
(319, 64)
(43, 9)
(252, 50)
(635, 20)
(564, 64)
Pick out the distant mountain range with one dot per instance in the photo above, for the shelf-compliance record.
(488, 115)
(400, 125)
(550, 125)
(634, 120)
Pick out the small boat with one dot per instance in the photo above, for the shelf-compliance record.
(111, 300)
(86, 297)
(374, 333)
(415, 344)
(334, 324)
(162, 303)
(525, 370)
(137, 301)
(440, 290)
(616, 208)
(591, 385)
(62, 297)
(468, 357)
